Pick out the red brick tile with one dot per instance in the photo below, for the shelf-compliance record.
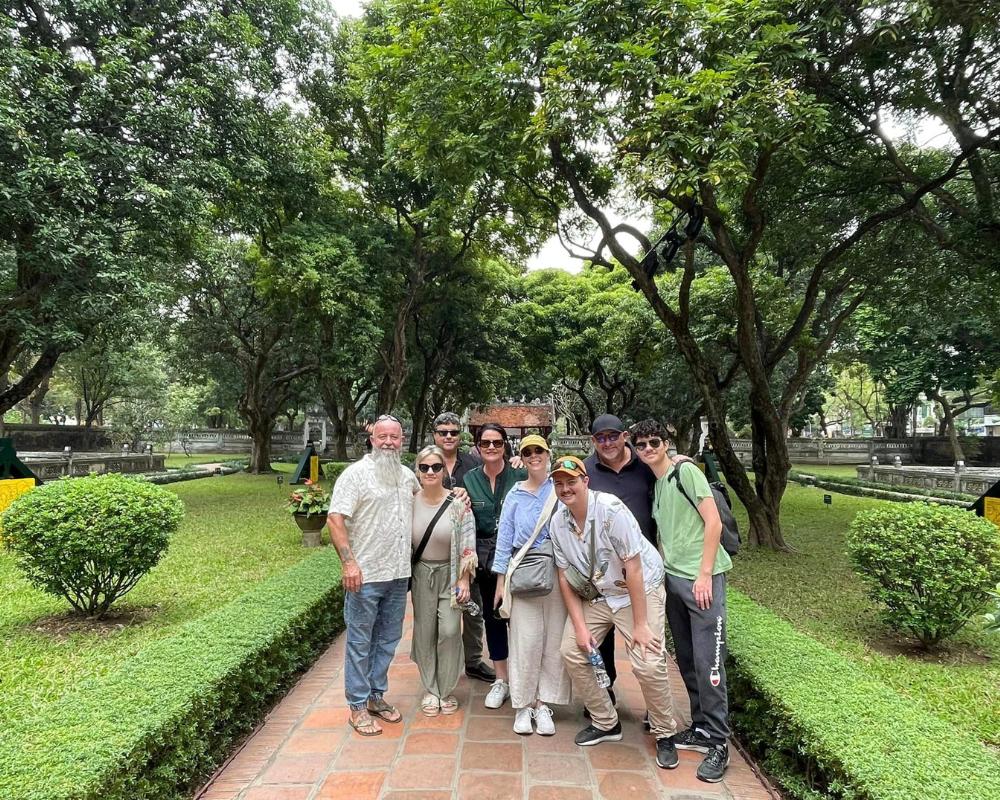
(490, 786)
(442, 722)
(625, 785)
(296, 769)
(223, 790)
(684, 778)
(417, 795)
(326, 717)
(558, 768)
(560, 793)
(279, 792)
(312, 742)
(492, 756)
(366, 753)
(491, 729)
(617, 756)
(422, 772)
(427, 743)
(351, 786)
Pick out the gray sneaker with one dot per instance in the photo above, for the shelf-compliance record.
(690, 739)
(591, 735)
(713, 766)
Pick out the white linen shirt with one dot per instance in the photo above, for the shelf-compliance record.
(619, 538)
(378, 518)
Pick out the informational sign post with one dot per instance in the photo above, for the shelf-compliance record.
(989, 504)
(308, 466)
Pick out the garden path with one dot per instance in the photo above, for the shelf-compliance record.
(305, 750)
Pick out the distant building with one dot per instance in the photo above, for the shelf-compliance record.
(518, 419)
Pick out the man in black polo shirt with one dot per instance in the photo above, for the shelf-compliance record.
(448, 436)
(615, 468)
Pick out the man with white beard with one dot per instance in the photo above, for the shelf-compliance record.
(370, 522)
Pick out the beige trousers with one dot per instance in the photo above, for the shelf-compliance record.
(650, 672)
(536, 668)
(437, 635)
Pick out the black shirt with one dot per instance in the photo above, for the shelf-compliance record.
(463, 463)
(633, 485)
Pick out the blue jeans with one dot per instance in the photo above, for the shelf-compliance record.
(374, 619)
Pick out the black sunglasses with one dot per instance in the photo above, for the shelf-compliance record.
(430, 467)
(441, 432)
(488, 443)
(654, 443)
(533, 451)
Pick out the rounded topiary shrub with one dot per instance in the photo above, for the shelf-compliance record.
(930, 567)
(91, 539)
(333, 469)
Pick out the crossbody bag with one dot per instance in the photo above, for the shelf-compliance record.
(530, 574)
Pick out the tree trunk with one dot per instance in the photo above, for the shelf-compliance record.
(948, 423)
(260, 452)
(37, 398)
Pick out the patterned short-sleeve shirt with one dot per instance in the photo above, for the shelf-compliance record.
(378, 518)
(618, 539)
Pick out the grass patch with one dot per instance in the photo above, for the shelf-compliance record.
(828, 471)
(179, 460)
(815, 590)
(235, 534)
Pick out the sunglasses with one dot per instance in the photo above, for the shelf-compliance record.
(533, 451)
(435, 468)
(650, 443)
(440, 432)
(604, 438)
(486, 444)
(390, 417)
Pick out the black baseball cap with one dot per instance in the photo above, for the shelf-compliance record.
(606, 422)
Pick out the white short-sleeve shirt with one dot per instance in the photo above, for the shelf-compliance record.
(619, 538)
(378, 518)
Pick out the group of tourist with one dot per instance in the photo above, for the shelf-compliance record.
(550, 561)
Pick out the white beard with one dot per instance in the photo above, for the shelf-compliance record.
(387, 465)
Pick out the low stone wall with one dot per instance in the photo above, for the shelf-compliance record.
(48, 467)
(232, 441)
(971, 480)
(53, 438)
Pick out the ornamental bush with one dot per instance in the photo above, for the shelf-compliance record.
(930, 567)
(91, 539)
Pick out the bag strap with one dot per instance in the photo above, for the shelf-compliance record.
(543, 518)
(430, 528)
(677, 478)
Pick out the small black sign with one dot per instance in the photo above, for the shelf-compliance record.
(302, 470)
(828, 499)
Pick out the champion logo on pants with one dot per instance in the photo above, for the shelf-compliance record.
(715, 677)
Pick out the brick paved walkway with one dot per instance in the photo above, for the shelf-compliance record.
(306, 751)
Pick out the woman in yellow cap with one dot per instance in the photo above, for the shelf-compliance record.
(537, 673)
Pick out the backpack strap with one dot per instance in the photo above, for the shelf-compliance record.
(676, 477)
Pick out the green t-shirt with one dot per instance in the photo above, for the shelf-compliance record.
(682, 530)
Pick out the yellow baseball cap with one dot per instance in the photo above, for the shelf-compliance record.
(570, 465)
(533, 440)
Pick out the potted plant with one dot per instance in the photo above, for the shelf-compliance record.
(308, 505)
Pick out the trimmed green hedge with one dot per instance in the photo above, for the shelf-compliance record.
(882, 491)
(822, 728)
(160, 723)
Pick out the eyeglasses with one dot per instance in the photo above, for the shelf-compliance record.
(604, 438)
(652, 443)
(435, 468)
(533, 451)
(486, 444)
(441, 432)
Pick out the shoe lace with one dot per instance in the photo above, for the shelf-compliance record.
(715, 757)
(542, 711)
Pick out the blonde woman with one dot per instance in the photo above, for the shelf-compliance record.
(537, 673)
(444, 560)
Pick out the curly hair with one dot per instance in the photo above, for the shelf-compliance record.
(647, 428)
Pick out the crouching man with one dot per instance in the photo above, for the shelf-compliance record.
(610, 577)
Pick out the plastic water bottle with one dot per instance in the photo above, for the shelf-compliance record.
(600, 673)
(470, 607)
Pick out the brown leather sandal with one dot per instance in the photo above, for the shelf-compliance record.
(363, 723)
(384, 710)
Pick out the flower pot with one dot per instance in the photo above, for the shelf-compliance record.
(311, 526)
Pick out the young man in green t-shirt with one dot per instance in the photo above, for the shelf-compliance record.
(696, 566)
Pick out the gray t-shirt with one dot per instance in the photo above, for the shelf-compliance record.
(618, 539)
(378, 518)
(439, 545)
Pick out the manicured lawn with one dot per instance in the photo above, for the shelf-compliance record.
(815, 589)
(178, 460)
(831, 471)
(235, 534)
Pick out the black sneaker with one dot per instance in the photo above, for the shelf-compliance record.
(713, 766)
(666, 753)
(690, 739)
(481, 672)
(591, 735)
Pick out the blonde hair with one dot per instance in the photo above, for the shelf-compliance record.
(430, 450)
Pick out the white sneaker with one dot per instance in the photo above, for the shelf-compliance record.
(498, 692)
(543, 721)
(522, 722)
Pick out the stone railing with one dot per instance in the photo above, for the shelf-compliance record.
(49, 466)
(570, 444)
(836, 451)
(232, 441)
(968, 480)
